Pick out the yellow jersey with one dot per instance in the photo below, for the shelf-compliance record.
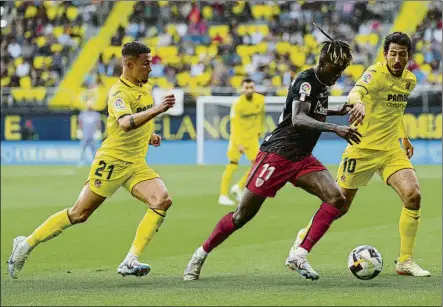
(126, 98)
(385, 99)
(247, 118)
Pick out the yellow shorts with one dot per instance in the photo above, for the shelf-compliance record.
(358, 165)
(107, 174)
(251, 151)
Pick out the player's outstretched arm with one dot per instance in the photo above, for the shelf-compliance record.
(344, 109)
(133, 121)
(301, 120)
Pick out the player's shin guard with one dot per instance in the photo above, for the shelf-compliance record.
(408, 226)
(227, 177)
(221, 232)
(51, 228)
(320, 225)
(148, 226)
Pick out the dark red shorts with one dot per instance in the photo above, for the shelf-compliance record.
(271, 171)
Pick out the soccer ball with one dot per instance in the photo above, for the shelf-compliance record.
(365, 262)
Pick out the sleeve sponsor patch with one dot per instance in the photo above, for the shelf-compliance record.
(305, 88)
(119, 104)
(366, 78)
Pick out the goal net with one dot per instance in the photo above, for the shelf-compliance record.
(212, 120)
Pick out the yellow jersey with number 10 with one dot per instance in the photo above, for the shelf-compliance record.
(247, 118)
(385, 102)
(126, 98)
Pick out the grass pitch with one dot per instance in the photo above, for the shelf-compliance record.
(79, 267)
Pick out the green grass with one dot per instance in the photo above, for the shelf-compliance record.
(79, 267)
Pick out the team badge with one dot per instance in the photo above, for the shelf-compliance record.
(343, 178)
(97, 183)
(408, 85)
(366, 78)
(259, 182)
(119, 104)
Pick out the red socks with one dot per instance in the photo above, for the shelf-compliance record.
(220, 233)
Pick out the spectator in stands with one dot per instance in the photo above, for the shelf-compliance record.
(28, 132)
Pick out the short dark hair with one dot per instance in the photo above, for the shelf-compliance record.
(335, 52)
(135, 48)
(399, 38)
(247, 80)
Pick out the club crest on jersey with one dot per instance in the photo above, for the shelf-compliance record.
(408, 85)
(97, 183)
(343, 178)
(259, 182)
(119, 104)
(366, 78)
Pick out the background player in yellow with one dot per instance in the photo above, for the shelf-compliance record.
(247, 123)
(379, 98)
(120, 161)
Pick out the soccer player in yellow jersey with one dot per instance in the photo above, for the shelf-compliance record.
(379, 98)
(247, 122)
(121, 161)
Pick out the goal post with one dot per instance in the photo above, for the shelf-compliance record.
(212, 105)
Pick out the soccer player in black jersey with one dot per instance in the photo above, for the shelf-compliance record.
(286, 156)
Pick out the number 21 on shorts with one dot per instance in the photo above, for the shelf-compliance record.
(102, 166)
(265, 174)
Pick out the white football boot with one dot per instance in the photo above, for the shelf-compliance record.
(237, 192)
(225, 201)
(131, 266)
(297, 261)
(411, 268)
(192, 271)
(20, 251)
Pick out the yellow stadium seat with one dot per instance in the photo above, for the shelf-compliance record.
(5, 81)
(419, 46)
(109, 81)
(305, 67)
(18, 94)
(51, 12)
(276, 81)
(298, 58)
(242, 29)
(242, 50)
(82, 30)
(238, 7)
(41, 41)
(282, 92)
(56, 47)
(18, 61)
(19, 3)
(183, 79)
(58, 31)
(262, 47)
(310, 41)
(38, 93)
(355, 71)
(213, 50)
(193, 82)
(173, 60)
(235, 81)
(336, 91)
(223, 30)
(264, 29)
(373, 39)
(60, 11)
(419, 58)
(283, 47)
(245, 60)
(167, 51)
(72, 13)
(207, 12)
(163, 3)
(200, 49)
(204, 78)
(261, 11)
(25, 82)
(239, 70)
(127, 39)
(439, 79)
(39, 61)
(28, 34)
(170, 29)
(48, 60)
(31, 11)
(152, 41)
(426, 68)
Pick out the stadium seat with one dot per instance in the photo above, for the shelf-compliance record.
(207, 12)
(276, 81)
(127, 39)
(282, 92)
(355, 71)
(58, 31)
(72, 13)
(51, 12)
(239, 70)
(183, 79)
(56, 48)
(235, 81)
(110, 51)
(25, 82)
(204, 78)
(261, 11)
(41, 41)
(167, 51)
(419, 58)
(31, 11)
(373, 39)
(109, 81)
(39, 61)
(298, 58)
(18, 94)
(5, 81)
(426, 68)
(223, 30)
(152, 41)
(18, 61)
(238, 7)
(283, 47)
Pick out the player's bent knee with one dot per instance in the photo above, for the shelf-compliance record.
(78, 216)
(413, 199)
(337, 200)
(240, 219)
(162, 203)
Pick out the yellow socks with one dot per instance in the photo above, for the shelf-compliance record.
(226, 178)
(242, 181)
(409, 221)
(51, 228)
(148, 226)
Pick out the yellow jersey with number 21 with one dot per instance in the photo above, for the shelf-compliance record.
(385, 102)
(126, 98)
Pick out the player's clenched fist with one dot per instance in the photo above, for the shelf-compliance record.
(155, 140)
(357, 113)
(167, 103)
(350, 134)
